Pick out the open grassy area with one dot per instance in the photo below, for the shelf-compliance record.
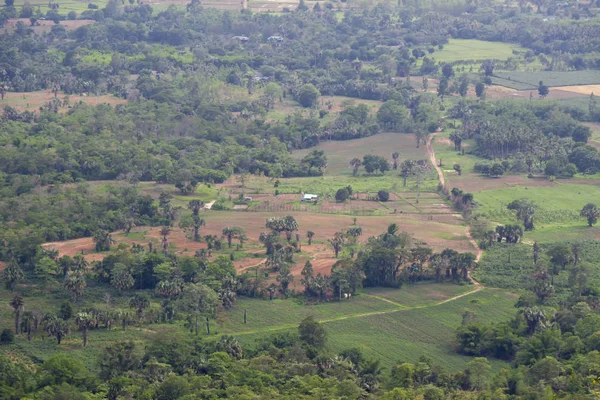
(472, 49)
(32, 101)
(419, 294)
(404, 334)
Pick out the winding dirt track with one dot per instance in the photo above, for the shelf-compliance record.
(440, 173)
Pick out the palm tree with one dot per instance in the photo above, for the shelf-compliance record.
(122, 279)
(466, 262)
(84, 321)
(393, 229)
(139, 303)
(290, 226)
(12, 274)
(164, 231)
(170, 289)
(231, 346)
(18, 305)
(195, 206)
(395, 156)
(233, 232)
(128, 225)
(355, 163)
(307, 277)
(406, 169)
(75, 283)
(285, 278)
(79, 263)
(56, 327)
(310, 235)
(29, 321)
(103, 240)
(198, 222)
(337, 243)
(354, 232)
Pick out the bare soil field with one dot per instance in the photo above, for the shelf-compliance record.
(32, 101)
(496, 92)
(43, 26)
(579, 89)
(472, 182)
(430, 233)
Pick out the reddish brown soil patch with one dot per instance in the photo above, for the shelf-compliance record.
(244, 264)
(43, 26)
(32, 101)
(475, 183)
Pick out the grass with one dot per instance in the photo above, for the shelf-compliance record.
(472, 49)
(408, 333)
(518, 79)
(65, 6)
(511, 266)
(560, 203)
(420, 294)
(391, 330)
(339, 153)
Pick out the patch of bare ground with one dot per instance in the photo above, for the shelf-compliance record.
(43, 26)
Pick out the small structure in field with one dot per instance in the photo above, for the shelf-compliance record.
(309, 198)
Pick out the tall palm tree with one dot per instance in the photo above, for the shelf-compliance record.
(337, 243)
(103, 240)
(84, 321)
(75, 283)
(233, 232)
(139, 303)
(355, 163)
(310, 235)
(28, 322)
(12, 274)
(195, 206)
(395, 156)
(18, 305)
(128, 225)
(56, 327)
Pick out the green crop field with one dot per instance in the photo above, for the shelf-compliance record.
(339, 153)
(476, 50)
(529, 80)
(511, 266)
(559, 203)
(509, 83)
(400, 334)
(419, 294)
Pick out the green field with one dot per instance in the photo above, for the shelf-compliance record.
(402, 334)
(471, 49)
(65, 6)
(511, 266)
(419, 294)
(410, 324)
(530, 80)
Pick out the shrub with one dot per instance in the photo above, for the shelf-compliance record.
(342, 195)
(7, 336)
(383, 195)
(92, 6)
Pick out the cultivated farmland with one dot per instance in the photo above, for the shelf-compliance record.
(529, 80)
(391, 332)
